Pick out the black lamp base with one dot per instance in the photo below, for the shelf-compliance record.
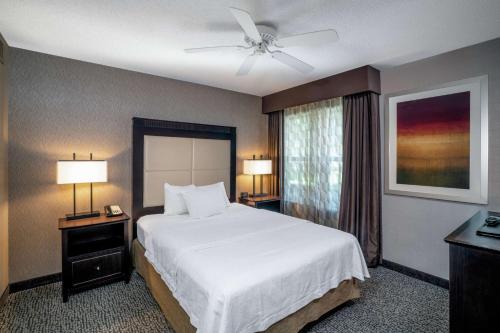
(82, 215)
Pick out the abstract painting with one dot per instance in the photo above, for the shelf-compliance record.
(436, 142)
(433, 141)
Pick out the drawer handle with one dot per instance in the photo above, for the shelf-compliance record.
(98, 268)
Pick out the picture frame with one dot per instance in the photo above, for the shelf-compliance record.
(431, 131)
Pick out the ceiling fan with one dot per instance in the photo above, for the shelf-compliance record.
(262, 39)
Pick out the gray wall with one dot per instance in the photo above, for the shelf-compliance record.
(4, 213)
(413, 229)
(59, 106)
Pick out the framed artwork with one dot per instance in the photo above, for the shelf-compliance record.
(436, 142)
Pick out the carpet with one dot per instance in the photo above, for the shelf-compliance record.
(390, 302)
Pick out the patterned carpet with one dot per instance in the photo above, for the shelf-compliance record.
(390, 302)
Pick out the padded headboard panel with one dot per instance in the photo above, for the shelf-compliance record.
(180, 154)
(183, 161)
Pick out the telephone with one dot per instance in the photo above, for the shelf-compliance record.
(492, 221)
(113, 210)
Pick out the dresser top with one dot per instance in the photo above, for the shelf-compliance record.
(466, 234)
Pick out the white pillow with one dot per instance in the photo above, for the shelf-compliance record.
(221, 188)
(174, 202)
(204, 201)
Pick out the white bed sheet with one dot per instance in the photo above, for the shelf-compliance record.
(246, 269)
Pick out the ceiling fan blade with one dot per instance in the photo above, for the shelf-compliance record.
(247, 24)
(247, 65)
(309, 38)
(215, 48)
(291, 61)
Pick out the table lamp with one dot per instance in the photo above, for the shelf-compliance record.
(257, 167)
(78, 172)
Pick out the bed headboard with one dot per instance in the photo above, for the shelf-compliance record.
(180, 154)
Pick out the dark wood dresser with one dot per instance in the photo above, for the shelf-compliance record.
(474, 278)
(95, 251)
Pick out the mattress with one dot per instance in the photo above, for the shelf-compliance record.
(246, 269)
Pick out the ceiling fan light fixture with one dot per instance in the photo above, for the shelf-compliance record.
(262, 39)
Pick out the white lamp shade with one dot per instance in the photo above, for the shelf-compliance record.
(257, 167)
(74, 172)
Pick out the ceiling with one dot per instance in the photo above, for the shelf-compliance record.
(149, 35)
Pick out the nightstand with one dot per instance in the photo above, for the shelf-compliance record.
(269, 202)
(95, 251)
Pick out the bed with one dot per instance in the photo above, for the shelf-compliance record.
(245, 270)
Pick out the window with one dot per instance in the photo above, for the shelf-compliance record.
(312, 140)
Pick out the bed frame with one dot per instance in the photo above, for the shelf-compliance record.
(143, 130)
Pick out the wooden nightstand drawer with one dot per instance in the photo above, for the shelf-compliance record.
(271, 203)
(273, 206)
(105, 266)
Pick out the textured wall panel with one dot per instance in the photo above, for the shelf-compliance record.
(169, 153)
(211, 154)
(59, 106)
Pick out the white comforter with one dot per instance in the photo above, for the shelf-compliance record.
(246, 269)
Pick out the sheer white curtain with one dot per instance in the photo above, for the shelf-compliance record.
(312, 141)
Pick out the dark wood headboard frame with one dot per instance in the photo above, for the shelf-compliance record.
(143, 126)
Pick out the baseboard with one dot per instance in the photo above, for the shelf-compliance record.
(33, 283)
(416, 274)
(4, 296)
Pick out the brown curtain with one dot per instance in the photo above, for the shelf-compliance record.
(360, 195)
(275, 131)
